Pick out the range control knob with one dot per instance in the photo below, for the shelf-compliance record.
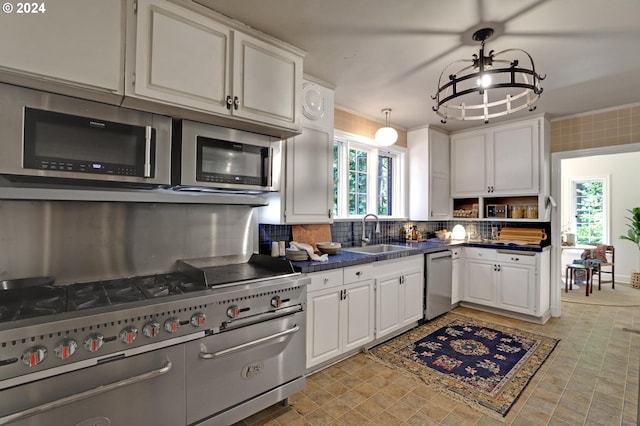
(276, 301)
(151, 329)
(93, 342)
(233, 311)
(128, 335)
(171, 325)
(65, 348)
(34, 355)
(197, 319)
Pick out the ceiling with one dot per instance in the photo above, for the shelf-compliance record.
(389, 54)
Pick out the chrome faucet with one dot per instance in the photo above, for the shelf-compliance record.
(366, 240)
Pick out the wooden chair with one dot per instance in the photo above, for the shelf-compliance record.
(607, 267)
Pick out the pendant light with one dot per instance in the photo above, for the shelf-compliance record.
(491, 86)
(387, 135)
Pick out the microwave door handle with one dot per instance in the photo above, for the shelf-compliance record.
(147, 152)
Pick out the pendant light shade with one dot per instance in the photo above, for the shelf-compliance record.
(386, 136)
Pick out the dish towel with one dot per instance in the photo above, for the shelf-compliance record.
(306, 247)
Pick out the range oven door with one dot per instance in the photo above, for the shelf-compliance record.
(229, 369)
(146, 389)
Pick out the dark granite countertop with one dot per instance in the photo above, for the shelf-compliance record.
(345, 258)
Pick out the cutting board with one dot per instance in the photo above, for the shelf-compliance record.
(523, 235)
(311, 234)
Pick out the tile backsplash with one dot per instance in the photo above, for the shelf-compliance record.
(349, 233)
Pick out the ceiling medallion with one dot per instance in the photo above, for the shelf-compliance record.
(494, 85)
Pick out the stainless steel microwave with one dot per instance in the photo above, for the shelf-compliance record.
(59, 139)
(208, 156)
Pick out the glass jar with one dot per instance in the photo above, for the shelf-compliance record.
(532, 211)
(517, 212)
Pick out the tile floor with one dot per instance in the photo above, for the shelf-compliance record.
(591, 378)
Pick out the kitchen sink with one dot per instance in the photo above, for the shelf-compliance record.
(377, 249)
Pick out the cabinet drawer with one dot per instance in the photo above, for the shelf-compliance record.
(353, 274)
(479, 253)
(522, 257)
(325, 279)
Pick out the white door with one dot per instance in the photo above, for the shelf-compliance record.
(309, 183)
(267, 82)
(468, 169)
(182, 57)
(323, 326)
(70, 42)
(388, 304)
(358, 313)
(515, 159)
(479, 282)
(439, 182)
(412, 292)
(516, 288)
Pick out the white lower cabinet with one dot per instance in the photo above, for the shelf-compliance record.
(509, 280)
(457, 274)
(340, 313)
(399, 293)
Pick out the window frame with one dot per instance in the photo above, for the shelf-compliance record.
(347, 141)
(606, 204)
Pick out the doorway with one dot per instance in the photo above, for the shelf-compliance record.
(622, 184)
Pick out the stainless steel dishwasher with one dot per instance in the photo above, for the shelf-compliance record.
(438, 283)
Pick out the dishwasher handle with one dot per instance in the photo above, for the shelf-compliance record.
(86, 394)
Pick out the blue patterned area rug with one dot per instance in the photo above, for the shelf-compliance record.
(485, 364)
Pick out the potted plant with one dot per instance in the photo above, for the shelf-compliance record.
(633, 235)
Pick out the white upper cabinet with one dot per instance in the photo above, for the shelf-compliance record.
(189, 58)
(428, 151)
(502, 160)
(515, 159)
(72, 47)
(308, 167)
(181, 57)
(468, 164)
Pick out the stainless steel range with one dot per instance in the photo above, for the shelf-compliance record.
(208, 344)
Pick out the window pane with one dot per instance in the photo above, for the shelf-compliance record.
(589, 213)
(385, 185)
(357, 181)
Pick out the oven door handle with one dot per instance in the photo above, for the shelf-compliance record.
(211, 355)
(86, 394)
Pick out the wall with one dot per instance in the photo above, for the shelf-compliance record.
(622, 170)
(604, 128)
(357, 125)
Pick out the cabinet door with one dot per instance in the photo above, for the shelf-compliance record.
(412, 292)
(72, 43)
(457, 278)
(516, 288)
(323, 326)
(388, 303)
(515, 159)
(182, 58)
(479, 282)
(309, 183)
(267, 82)
(468, 168)
(358, 313)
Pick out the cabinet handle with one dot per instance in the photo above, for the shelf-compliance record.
(515, 259)
(236, 102)
(346, 293)
(358, 273)
(329, 213)
(326, 280)
(229, 102)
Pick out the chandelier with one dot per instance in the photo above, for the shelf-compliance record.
(493, 79)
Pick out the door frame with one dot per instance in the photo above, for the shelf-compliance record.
(556, 223)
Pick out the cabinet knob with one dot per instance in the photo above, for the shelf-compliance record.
(236, 102)
(229, 102)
